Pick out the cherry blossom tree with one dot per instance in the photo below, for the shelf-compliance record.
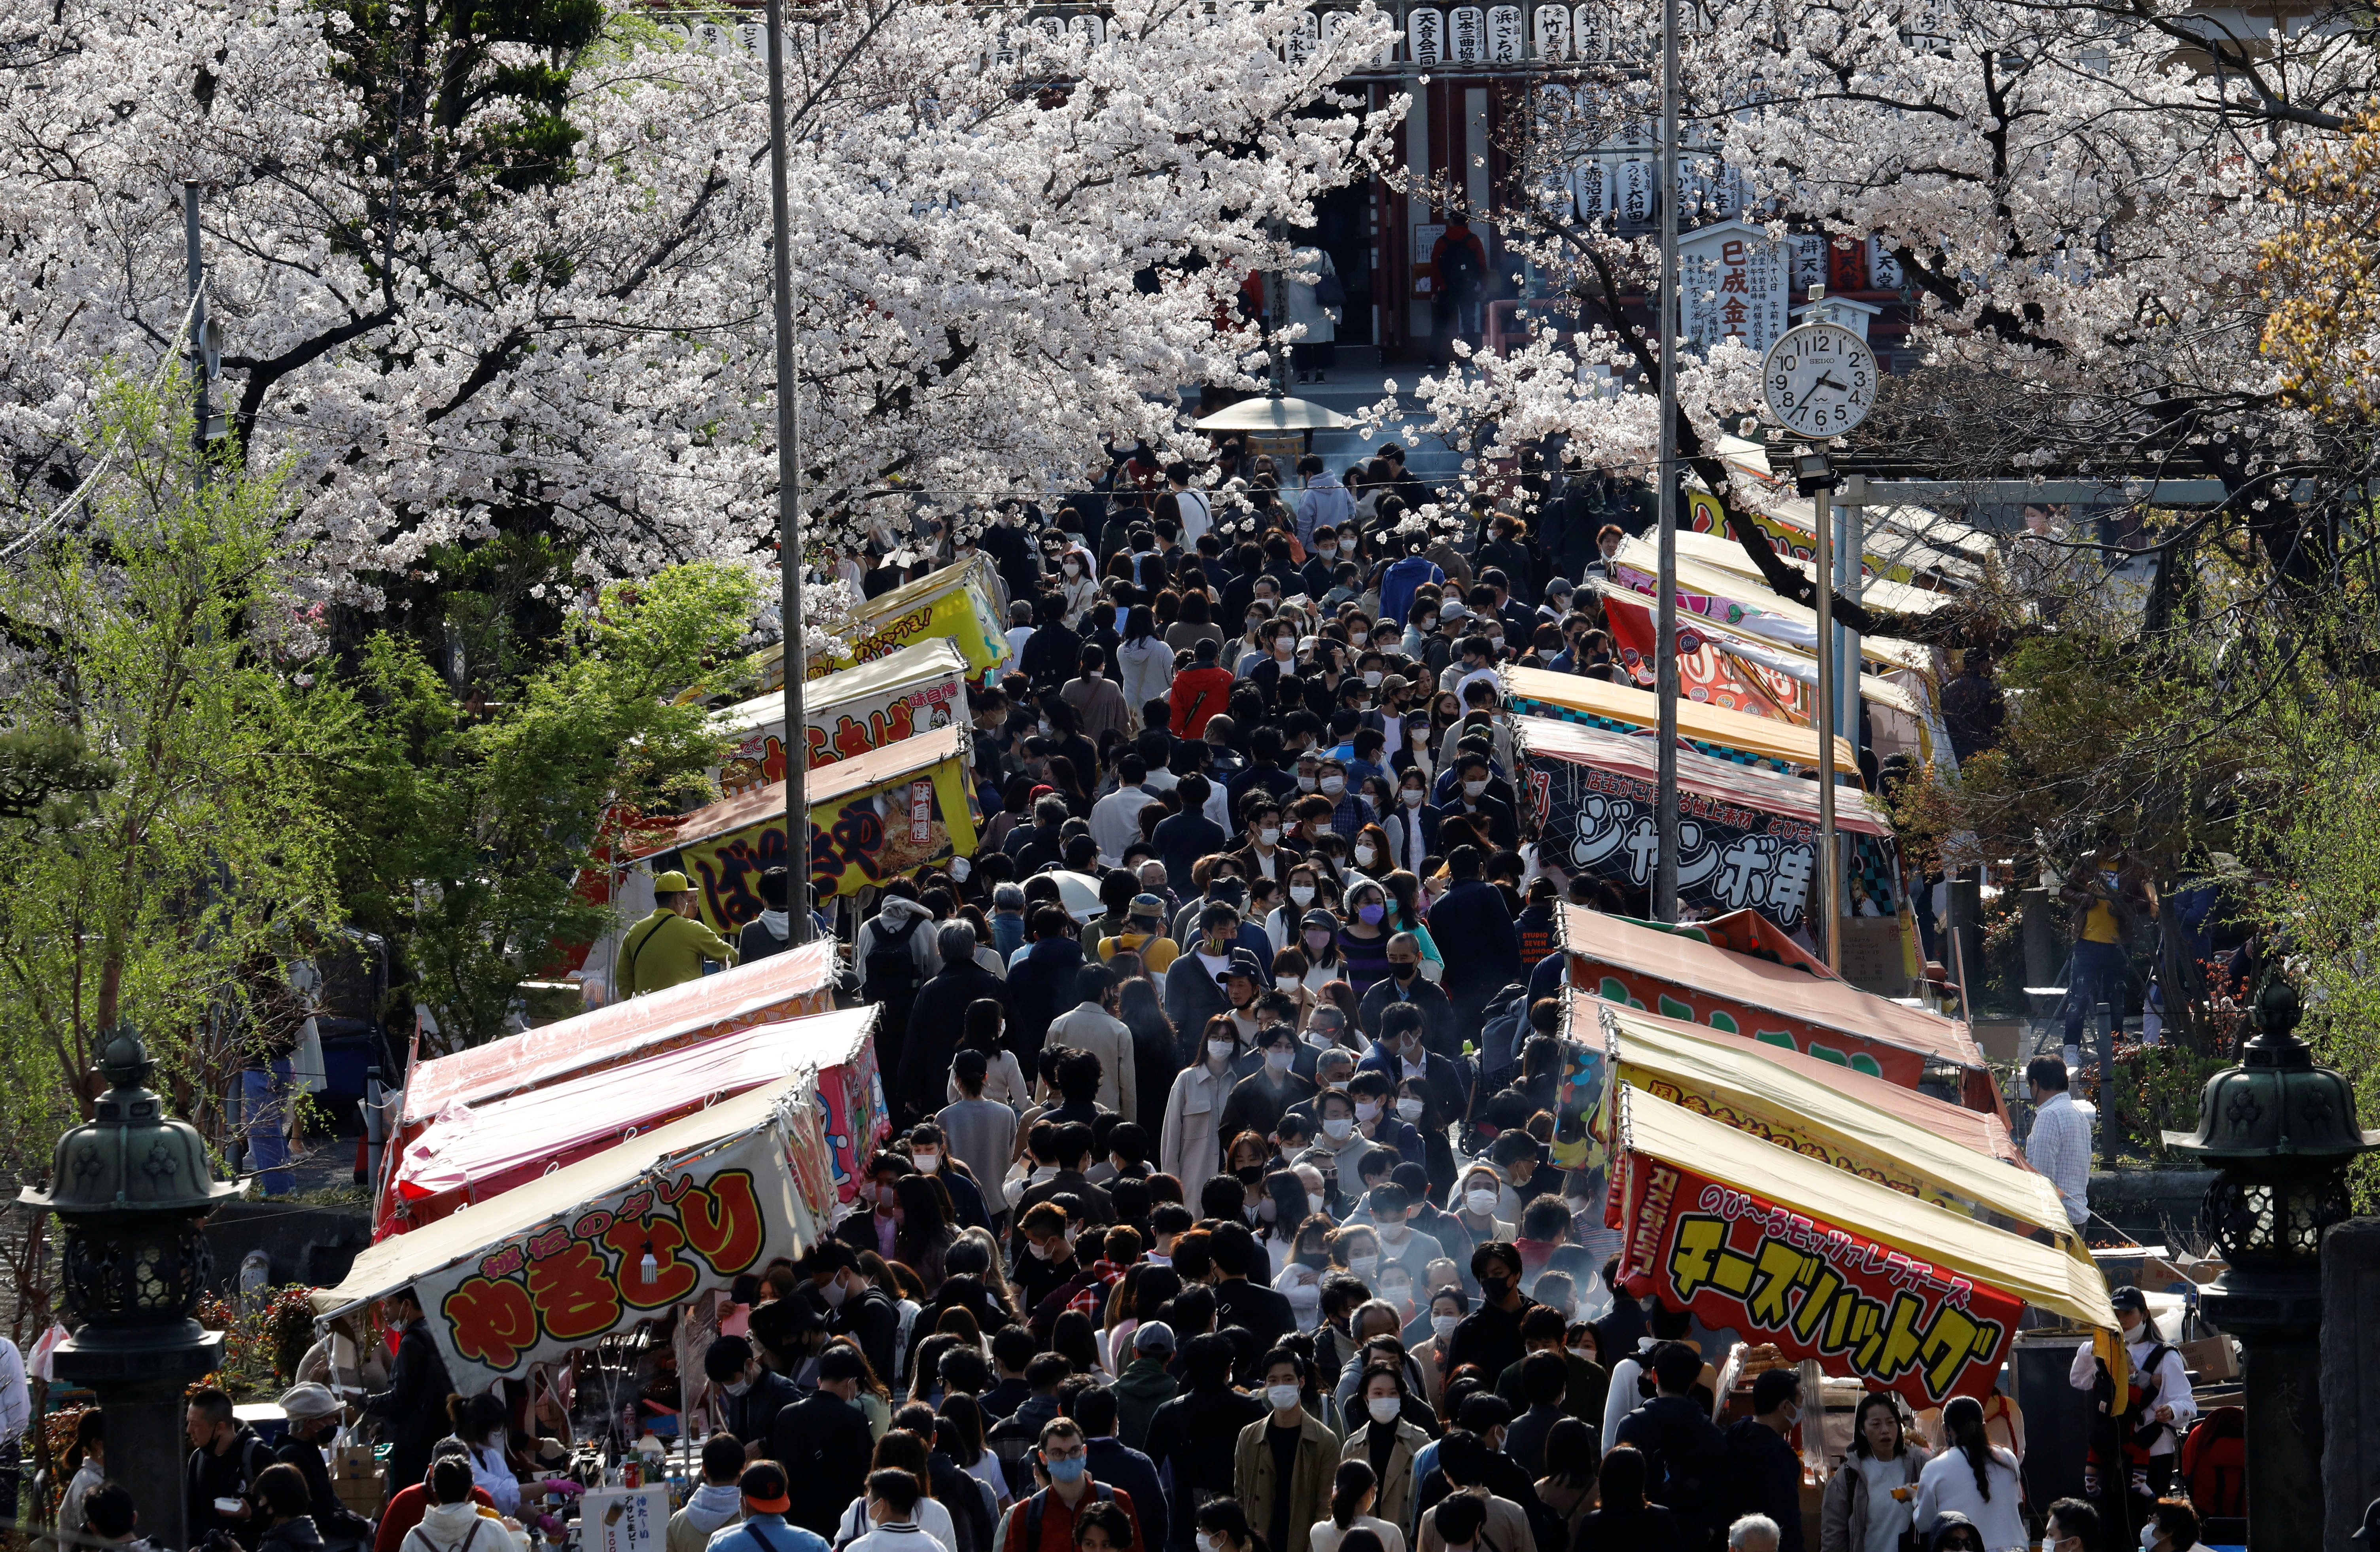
(2077, 198)
(508, 272)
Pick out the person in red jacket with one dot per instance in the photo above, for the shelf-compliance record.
(1200, 694)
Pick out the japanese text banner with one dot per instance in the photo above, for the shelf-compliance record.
(1860, 1307)
(583, 1274)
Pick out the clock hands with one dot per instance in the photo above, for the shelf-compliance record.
(1827, 379)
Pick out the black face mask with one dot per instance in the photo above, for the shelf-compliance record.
(1494, 1287)
(1404, 972)
(1250, 1174)
(1228, 890)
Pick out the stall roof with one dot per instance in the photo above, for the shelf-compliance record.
(1722, 780)
(1798, 623)
(484, 1142)
(1756, 983)
(2039, 1273)
(924, 659)
(605, 1035)
(1778, 657)
(397, 1260)
(1965, 1152)
(763, 804)
(1764, 737)
(873, 612)
(1726, 554)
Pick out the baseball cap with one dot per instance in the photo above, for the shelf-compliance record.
(1320, 917)
(2129, 1298)
(1153, 1336)
(1243, 963)
(1454, 609)
(764, 1486)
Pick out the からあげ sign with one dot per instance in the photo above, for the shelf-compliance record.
(1770, 1274)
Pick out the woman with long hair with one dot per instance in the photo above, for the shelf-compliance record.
(962, 1416)
(1369, 853)
(980, 1029)
(1569, 1487)
(900, 1449)
(1405, 914)
(1195, 622)
(1973, 1476)
(1627, 1521)
(1871, 1499)
(1141, 1006)
(1143, 663)
(1364, 937)
(922, 1233)
(1353, 1491)
(481, 1423)
(1069, 785)
(1073, 1339)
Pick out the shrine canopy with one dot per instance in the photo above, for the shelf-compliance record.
(1713, 730)
(1897, 1137)
(800, 980)
(601, 1245)
(1795, 1006)
(470, 1154)
(1778, 1248)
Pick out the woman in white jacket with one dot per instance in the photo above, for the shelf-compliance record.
(1143, 663)
(1190, 1146)
(455, 1523)
(1972, 1477)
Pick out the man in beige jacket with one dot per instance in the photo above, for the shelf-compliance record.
(1091, 1025)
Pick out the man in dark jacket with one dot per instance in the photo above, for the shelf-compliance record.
(823, 1443)
(313, 1414)
(413, 1408)
(1240, 1300)
(1475, 938)
(1765, 1472)
(1113, 1461)
(1404, 984)
(750, 1394)
(938, 1018)
(1199, 1432)
(1491, 1335)
(861, 1311)
(1042, 985)
(226, 1456)
(772, 930)
(1145, 1385)
(1685, 1458)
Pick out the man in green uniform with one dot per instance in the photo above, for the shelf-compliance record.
(670, 945)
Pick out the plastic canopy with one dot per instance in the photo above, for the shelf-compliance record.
(1761, 611)
(1899, 1137)
(2041, 1275)
(470, 1154)
(1571, 697)
(1756, 992)
(1721, 781)
(1726, 554)
(1271, 414)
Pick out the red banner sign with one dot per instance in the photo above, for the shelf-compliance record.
(1705, 672)
(1770, 1274)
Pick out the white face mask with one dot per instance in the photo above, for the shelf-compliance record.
(1281, 1398)
(1362, 1265)
(1384, 1408)
(1270, 835)
(926, 1163)
(736, 1387)
(1305, 783)
(1356, 638)
(1321, 827)
(1442, 1326)
(1372, 677)
(1301, 895)
(1481, 1202)
(1363, 855)
(1326, 551)
(1333, 785)
(836, 1292)
(1584, 1354)
(1368, 1109)
(1413, 796)
(1410, 1108)
(1337, 1128)
(1221, 1050)
(1314, 1201)
(1473, 789)
(1279, 1060)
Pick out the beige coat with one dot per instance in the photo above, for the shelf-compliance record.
(1310, 1475)
(1507, 1530)
(1089, 1028)
(1394, 1503)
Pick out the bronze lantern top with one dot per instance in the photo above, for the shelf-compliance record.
(2275, 1105)
(131, 1157)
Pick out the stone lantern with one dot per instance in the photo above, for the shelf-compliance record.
(2280, 1132)
(130, 1188)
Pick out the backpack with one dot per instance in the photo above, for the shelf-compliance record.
(2215, 1463)
(1459, 273)
(1101, 1493)
(891, 972)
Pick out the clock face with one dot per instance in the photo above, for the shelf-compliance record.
(1819, 379)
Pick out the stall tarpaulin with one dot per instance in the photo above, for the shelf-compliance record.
(1789, 1006)
(1881, 1287)
(1726, 554)
(1725, 735)
(560, 1262)
(872, 816)
(1755, 609)
(1748, 837)
(470, 1154)
(1706, 673)
(917, 689)
(1897, 1137)
(964, 604)
(1892, 538)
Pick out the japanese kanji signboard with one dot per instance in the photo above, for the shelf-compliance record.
(602, 1266)
(1770, 1274)
(1732, 285)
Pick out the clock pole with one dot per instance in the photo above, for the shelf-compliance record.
(1664, 648)
(1824, 718)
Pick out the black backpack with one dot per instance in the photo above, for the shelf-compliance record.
(891, 972)
(1460, 274)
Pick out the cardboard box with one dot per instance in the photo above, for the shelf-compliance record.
(356, 1477)
(2211, 1358)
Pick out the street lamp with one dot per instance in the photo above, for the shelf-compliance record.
(130, 1188)
(2280, 1132)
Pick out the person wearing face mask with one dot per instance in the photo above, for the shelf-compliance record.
(1193, 983)
(1762, 1465)
(1338, 1139)
(1401, 1044)
(1256, 1101)
(1403, 1247)
(750, 1394)
(1363, 936)
(855, 1306)
(1265, 852)
(2157, 1411)
(1349, 812)
(1299, 1277)
(1284, 1465)
(1491, 1335)
(1190, 1142)
(1448, 1306)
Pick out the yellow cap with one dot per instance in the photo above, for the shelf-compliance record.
(671, 882)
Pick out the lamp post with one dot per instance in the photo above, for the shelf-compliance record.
(130, 1188)
(2281, 1132)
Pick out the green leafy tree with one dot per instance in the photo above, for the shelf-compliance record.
(470, 816)
(159, 813)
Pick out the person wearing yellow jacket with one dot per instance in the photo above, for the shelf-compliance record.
(668, 946)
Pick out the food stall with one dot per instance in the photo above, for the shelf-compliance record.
(597, 1247)
(471, 1154)
(1797, 1006)
(874, 815)
(1787, 747)
(847, 713)
(1748, 836)
(963, 603)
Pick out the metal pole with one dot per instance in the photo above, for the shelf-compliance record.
(1823, 721)
(1665, 874)
(789, 501)
(197, 323)
(1849, 557)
